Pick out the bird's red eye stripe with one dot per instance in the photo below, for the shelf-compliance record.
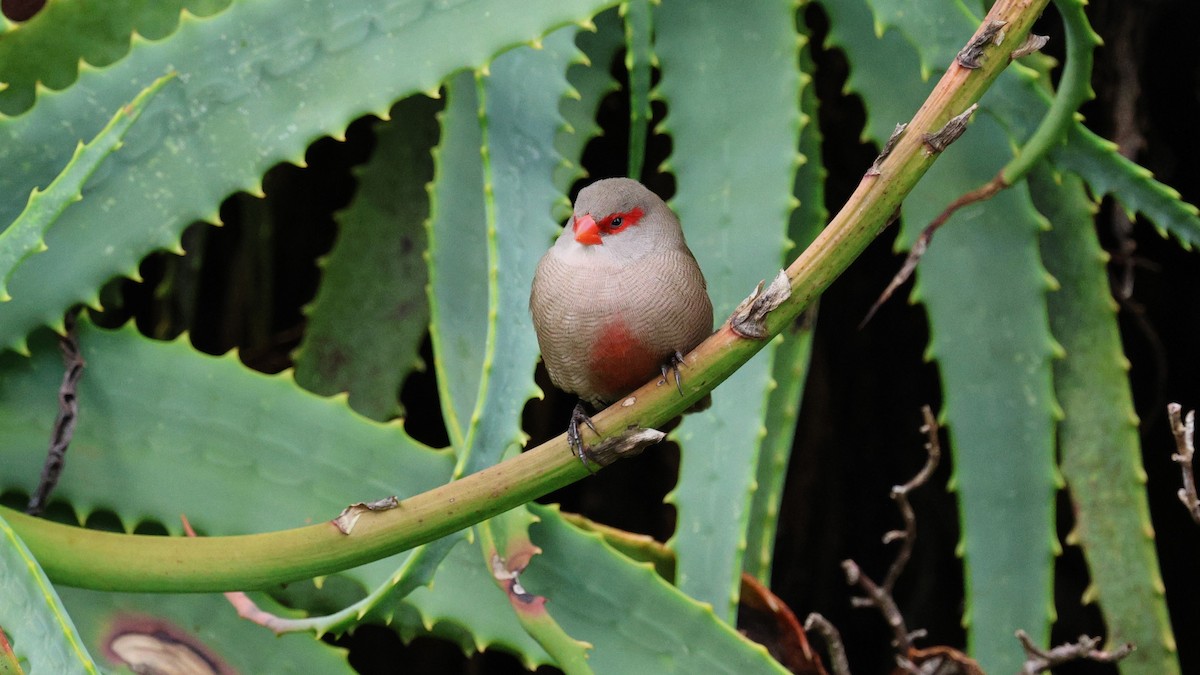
(619, 221)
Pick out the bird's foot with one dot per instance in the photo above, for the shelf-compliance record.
(672, 365)
(575, 438)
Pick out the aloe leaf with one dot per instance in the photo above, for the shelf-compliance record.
(639, 59)
(984, 289)
(932, 27)
(1107, 172)
(1098, 435)
(507, 551)
(47, 50)
(520, 118)
(374, 278)
(163, 426)
(792, 356)
(9, 663)
(637, 622)
(592, 81)
(241, 74)
(459, 293)
(41, 633)
(24, 236)
(520, 122)
(734, 198)
(154, 632)
(486, 355)
(463, 606)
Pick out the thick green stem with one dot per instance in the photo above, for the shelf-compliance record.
(102, 560)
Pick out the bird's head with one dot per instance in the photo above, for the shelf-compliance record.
(623, 217)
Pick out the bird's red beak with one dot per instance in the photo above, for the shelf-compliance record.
(586, 230)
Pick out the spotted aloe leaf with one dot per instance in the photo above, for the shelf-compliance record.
(374, 278)
(192, 633)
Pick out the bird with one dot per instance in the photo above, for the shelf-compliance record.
(617, 298)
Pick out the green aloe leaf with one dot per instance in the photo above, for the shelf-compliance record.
(374, 278)
(639, 60)
(793, 354)
(96, 32)
(1107, 172)
(1098, 435)
(984, 289)
(592, 81)
(734, 198)
(162, 427)
(932, 27)
(459, 294)
(507, 551)
(636, 621)
(24, 236)
(241, 74)
(41, 633)
(521, 123)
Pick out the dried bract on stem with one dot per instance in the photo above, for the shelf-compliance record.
(875, 169)
(1184, 429)
(1033, 43)
(941, 139)
(749, 317)
(991, 33)
(628, 444)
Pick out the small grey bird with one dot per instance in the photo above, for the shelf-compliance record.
(617, 298)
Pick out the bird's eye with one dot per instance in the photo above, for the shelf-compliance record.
(616, 222)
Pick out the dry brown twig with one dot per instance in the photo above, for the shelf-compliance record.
(880, 595)
(1040, 660)
(1184, 429)
(68, 414)
(833, 640)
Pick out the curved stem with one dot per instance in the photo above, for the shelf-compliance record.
(1074, 89)
(108, 561)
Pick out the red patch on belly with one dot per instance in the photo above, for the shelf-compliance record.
(620, 362)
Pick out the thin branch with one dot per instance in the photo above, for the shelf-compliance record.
(1039, 660)
(833, 640)
(1185, 434)
(933, 451)
(880, 596)
(917, 250)
(68, 414)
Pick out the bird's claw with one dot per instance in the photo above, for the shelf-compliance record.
(672, 364)
(575, 438)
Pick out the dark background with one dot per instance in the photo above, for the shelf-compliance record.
(857, 435)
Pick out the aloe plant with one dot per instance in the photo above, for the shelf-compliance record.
(484, 111)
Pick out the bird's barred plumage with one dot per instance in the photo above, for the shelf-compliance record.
(609, 314)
